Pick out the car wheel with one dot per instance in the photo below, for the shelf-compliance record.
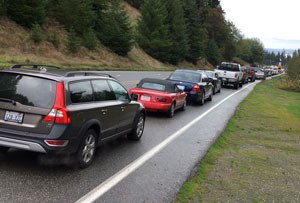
(202, 99)
(236, 86)
(241, 84)
(183, 108)
(138, 129)
(214, 90)
(87, 149)
(220, 90)
(4, 149)
(171, 111)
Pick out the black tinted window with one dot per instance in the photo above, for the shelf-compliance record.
(119, 91)
(28, 90)
(102, 91)
(81, 92)
(229, 67)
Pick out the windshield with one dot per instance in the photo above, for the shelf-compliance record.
(27, 90)
(210, 74)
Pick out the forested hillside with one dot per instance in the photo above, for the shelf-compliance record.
(149, 33)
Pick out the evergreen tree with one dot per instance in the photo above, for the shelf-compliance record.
(36, 33)
(114, 30)
(27, 12)
(178, 28)
(213, 53)
(196, 33)
(76, 14)
(73, 41)
(3, 7)
(154, 34)
(89, 39)
(135, 3)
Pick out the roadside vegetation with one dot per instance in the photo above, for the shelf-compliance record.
(257, 157)
(121, 34)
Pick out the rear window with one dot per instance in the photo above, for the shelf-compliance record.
(153, 86)
(28, 90)
(229, 67)
(186, 76)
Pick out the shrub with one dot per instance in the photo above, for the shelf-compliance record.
(89, 39)
(73, 42)
(37, 35)
(53, 37)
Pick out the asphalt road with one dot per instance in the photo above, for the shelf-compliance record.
(156, 179)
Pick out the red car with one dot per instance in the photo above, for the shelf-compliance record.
(159, 95)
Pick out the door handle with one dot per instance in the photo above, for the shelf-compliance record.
(104, 111)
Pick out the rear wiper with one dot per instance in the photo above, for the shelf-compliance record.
(8, 101)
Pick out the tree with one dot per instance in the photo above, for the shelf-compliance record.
(178, 28)
(196, 32)
(36, 36)
(89, 39)
(294, 67)
(114, 30)
(153, 30)
(76, 14)
(3, 7)
(27, 12)
(251, 50)
(135, 3)
(73, 41)
(213, 52)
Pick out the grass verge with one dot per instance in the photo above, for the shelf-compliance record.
(257, 157)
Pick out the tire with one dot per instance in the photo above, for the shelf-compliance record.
(183, 108)
(241, 84)
(214, 91)
(202, 99)
(171, 111)
(220, 90)
(138, 129)
(4, 149)
(86, 152)
(236, 86)
(210, 97)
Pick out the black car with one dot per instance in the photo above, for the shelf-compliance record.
(195, 83)
(216, 81)
(64, 114)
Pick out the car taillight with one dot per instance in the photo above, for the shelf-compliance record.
(161, 99)
(59, 113)
(196, 88)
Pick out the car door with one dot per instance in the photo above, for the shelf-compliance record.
(180, 96)
(206, 85)
(125, 112)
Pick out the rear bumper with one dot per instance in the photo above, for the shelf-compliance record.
(162, 107)
(194, 96)
(36, 142)
(20, 144)
(226, 81)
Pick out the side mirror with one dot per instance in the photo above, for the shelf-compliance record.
(134, 97)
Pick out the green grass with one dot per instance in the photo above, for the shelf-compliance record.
(257, 158)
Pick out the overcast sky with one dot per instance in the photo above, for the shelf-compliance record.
(275, 22)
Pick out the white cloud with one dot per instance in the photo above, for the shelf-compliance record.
(265, 19)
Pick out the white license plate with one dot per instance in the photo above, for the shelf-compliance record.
(181, 87)
(145, 98)
(12, 116)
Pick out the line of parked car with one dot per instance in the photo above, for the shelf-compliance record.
(53, 112)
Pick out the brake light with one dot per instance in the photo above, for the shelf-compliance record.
(59, 113)
(196, 88)
(161, 99)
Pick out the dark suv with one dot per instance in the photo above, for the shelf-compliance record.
(46, 110)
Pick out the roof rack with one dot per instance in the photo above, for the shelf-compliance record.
(87, 73)
(38, 67)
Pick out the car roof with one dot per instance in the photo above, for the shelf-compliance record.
(55, 73)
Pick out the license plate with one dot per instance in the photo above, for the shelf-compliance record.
(12, 116)
(145, 98)
(181, 87)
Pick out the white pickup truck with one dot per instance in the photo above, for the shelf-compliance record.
(231, 73)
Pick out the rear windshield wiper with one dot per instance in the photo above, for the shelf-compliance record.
(8, 101)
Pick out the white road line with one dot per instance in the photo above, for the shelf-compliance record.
(130, 168)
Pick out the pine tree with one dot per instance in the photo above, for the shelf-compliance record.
(3, 6)
(114, 30)
(89, 39)
(213, 53)
(73, 41)
(153, 31)
(76, 14)
(27, 12)
(36, 36)
(196, 32)
(178, 28)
